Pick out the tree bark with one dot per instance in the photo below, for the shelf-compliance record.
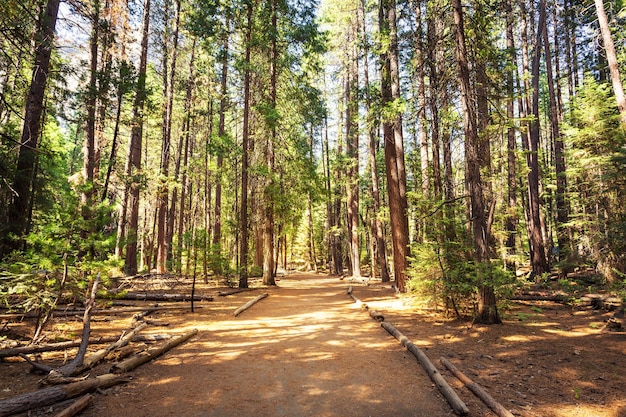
(487, 309)
(164, 239)
(394, 147)
(243, 220)
(352, 148)
(372, 127)
(133, 164)
(511, 221)
(538, 255)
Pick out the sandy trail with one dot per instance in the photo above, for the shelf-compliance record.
(306, 350)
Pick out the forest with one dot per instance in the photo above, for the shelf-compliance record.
(448, 148)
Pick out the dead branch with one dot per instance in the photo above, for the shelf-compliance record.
(150, 354)
(93, 359)
(479, 391)
(249, 304)
(30, 349)
(78, 406)
(455, 402)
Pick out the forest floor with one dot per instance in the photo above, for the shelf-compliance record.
(309, 350)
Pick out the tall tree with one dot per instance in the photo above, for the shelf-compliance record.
(352, 145)
(243, 219)
(487, 307)
(538, 254)
(133, 163)
(394, 146)
(25, 173)
(373, 121)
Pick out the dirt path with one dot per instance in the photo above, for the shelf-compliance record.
(306, 350)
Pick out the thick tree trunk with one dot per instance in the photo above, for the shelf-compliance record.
(487, 310)
(25, 172)
(394, 147)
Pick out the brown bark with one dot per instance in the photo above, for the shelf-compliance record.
(217, 225)
(511, 221)
(372, 127)
(538, 256)
(352, 149)
(269, 269)
(559, 152)
(133, 165)
(243, 220)
(164, 239)
(394, 147)
(487, 309)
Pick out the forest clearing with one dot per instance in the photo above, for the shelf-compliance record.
(309, 349)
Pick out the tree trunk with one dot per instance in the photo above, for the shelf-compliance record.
(243, 220)
(394, 147)
(559, 155)
(511, 221)
(217, 226)
(611, 57)
(487, 310)
(538, 255)
(269, 269)
(89, 145)
(352, 149)
(25, 172)
(372, 127)
(133, 165)
(164, 239)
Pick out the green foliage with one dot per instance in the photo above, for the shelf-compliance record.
(596, 168)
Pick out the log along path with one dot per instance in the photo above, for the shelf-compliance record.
(306, 350)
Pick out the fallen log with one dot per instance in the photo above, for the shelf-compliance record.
(358, 302)
(95, 312)
(451, 396)
(54, 347)
(150, 354)
(57, 393)
(539, 297)
(78, 406)
(93, 359)
(249, 304)
(139, 296)
(479, 391)
(377, 316)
